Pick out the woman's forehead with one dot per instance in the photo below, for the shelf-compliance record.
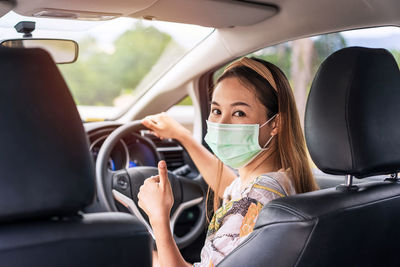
(232, 90)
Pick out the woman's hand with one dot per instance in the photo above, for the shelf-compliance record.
(164, 126)
(156, 197)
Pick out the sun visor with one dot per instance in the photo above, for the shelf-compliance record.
(6, 6)
(209, 13)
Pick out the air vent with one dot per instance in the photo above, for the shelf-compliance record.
(173, 158)
(170, 150)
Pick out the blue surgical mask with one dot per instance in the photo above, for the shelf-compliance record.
(236, 145)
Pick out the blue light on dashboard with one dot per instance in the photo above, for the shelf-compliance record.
(132, 164)
(111, 164)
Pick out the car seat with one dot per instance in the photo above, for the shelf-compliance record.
(47, 176)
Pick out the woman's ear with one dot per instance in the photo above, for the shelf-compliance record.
(276, 125)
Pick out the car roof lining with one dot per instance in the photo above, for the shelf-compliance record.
(209, 13)
(221, 13)
(279, 17)
(6, 6)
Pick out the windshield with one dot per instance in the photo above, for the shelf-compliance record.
(118, 60)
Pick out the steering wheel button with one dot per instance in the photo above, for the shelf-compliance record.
(122, 182)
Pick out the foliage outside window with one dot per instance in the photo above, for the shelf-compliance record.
(99, 77)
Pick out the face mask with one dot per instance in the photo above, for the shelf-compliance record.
(236, 145)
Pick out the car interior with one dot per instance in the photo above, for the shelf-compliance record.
(69, 183)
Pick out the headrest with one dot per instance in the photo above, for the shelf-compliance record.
(45, 165)
(352, 121)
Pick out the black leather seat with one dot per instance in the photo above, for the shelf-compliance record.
(47, 176)
(352, 128)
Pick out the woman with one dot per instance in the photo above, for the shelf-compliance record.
(253, 126)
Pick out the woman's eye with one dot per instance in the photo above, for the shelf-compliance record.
(239, 113)
(216, 111)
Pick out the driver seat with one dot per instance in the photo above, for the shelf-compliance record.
(47, 176)
(352, 128)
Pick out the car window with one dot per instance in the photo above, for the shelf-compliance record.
(183, 112)
(119, 60)
(111, 74)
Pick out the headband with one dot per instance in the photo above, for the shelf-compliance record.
(258, 67)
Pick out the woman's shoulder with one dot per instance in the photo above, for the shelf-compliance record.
(270, 186)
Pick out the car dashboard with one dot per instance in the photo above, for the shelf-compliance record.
(140, 149)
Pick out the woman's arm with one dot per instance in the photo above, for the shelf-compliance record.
(156, 199)
(166, 127)
(168, 252)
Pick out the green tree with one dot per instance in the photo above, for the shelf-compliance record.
(396, 54)
(99, 77)
(326, 45)
(281, 57)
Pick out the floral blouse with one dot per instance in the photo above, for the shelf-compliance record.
(235, 219)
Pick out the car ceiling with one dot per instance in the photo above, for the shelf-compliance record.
(218, 13)
(211, 13)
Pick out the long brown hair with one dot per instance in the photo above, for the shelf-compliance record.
(289, 147)
(216, 199)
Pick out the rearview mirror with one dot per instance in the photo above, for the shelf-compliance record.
(62, 51)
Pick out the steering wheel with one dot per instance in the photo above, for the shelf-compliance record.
(123, 186)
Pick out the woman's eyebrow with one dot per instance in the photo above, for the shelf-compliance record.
(240, 104)
(233, 104)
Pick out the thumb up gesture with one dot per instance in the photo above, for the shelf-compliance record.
(155, 196)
